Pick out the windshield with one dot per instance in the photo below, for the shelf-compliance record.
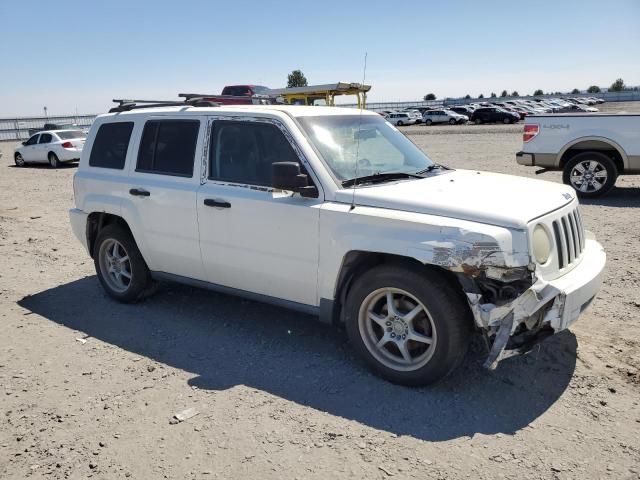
(69, 134)
(381, 147)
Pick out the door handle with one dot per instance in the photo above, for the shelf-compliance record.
(210, 202)
(138, 192)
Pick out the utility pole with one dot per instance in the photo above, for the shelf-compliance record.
(45, 112)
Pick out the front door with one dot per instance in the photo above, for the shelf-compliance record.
(253, 237)
(29, 150)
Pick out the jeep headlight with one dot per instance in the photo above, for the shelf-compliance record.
(541, 244)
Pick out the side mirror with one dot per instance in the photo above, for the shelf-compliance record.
(287, 176)
(24, 143)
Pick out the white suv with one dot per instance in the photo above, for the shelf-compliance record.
(443, 116)
(401, 118)
(334, 212)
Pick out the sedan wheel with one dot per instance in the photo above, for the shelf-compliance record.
(19, 160)
(400, 123)
(53, 160)
(506, 120)
(452, 121)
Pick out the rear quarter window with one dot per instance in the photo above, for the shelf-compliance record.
(110, 145)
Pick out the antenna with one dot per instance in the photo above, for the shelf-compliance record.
(355, 176)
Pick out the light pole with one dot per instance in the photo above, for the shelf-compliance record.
(45, 112)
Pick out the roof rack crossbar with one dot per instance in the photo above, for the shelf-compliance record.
(125, 105)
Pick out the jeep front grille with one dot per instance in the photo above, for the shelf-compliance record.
(569, 237)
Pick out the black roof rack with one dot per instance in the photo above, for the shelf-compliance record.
(125, 105)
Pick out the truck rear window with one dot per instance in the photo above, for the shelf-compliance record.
(110, 146)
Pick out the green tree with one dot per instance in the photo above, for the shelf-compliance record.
(296, 79)
(593, 89)
(575, 91)
(430, 96)
(493, 95)
(617, 86)
(515, 93)
(538, 92)
(504, 93)
(467, 96)
(481, 96)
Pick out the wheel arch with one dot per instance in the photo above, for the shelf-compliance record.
(357, 262)
(96, 221)
(595, 144)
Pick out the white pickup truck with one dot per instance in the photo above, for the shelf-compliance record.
(335, 213)
(590, 149)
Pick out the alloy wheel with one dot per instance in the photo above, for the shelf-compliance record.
(588, 176)
(397, 329)
(115, 265)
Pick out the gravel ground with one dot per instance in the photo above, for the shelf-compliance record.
(88, 387)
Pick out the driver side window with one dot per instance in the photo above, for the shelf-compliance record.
(243, 152)
(33, 140)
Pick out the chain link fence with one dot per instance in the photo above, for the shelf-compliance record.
(23, 127)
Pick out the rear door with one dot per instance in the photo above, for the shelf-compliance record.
(44, 143)
(163, 182)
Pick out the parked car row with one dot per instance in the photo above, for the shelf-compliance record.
(507, 111)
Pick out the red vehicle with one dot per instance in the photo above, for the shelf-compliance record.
(236, 95)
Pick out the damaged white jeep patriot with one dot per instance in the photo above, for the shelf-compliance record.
(335, 213)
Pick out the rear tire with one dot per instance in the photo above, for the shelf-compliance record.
(428, 122)
(394, 344)
(478, 121)
(19, 160)
(591, 174)
(120, 266)
(53, 160)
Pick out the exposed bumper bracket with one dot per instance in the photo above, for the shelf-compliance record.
(500, 342)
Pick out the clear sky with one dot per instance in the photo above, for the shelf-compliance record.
(81, 54)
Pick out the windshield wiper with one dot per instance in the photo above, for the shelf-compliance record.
(430, 168)
(379, 177)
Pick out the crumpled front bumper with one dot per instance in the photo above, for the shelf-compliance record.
(544, 308)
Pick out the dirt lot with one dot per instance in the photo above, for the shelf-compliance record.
(88, 387)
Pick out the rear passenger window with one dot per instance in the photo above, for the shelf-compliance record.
(110, 146)
(168, 147)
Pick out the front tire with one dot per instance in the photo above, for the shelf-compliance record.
(19, 160)
(408, 324)
(452, 121)
(507, 120)
(53, 160)
(400, 123)
(120, 266)
(591, 174)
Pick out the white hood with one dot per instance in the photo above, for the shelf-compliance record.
(491, 198)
